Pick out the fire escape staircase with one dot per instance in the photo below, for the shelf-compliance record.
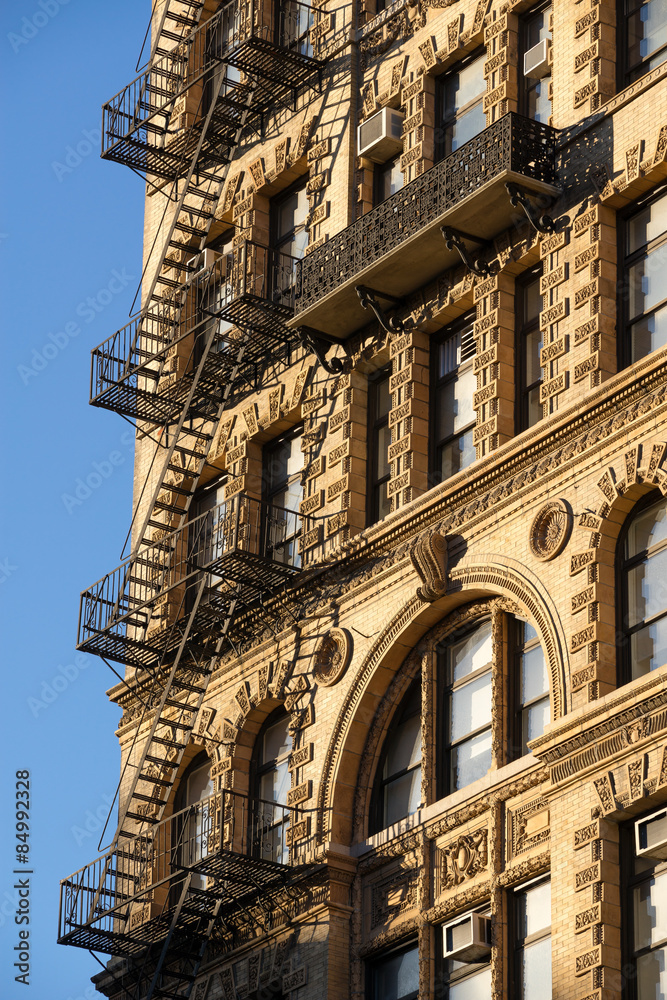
(167, 611)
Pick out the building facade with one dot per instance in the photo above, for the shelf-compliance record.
(394, 709)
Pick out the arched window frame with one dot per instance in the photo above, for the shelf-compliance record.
(422, 664)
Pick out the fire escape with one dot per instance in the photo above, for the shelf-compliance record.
(168, 610)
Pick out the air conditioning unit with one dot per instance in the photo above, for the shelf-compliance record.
(651, 835)
(381, 136)
(468, 938)
(203, 260)
(536, 60)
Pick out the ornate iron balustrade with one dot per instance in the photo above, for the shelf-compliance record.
(232, 845)
(243, 300)
(151, 126)
(247, 549)
(513, 146)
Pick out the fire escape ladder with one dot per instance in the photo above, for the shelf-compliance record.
(174, 27)
(172, 726)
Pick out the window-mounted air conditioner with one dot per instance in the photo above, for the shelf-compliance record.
(468, 938)
(381, 136)
(651, 835)
(536, 60)
(203, 260)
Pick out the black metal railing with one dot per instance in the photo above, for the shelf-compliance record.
(251, 289)
(144, 107)
(513, 143)
(248, 548)
(118, 903)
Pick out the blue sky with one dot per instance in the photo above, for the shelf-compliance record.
(70, 246)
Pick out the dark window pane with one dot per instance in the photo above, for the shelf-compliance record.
(402, 797)
(388, 178)
(397, 977)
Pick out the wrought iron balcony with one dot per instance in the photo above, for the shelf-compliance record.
(242, 302)
(244, 549)
(398, 246)
(154, 123)
(220, 853)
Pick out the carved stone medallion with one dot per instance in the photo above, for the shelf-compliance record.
(550, 530)
(332, 657)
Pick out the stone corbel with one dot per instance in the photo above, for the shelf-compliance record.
(428, 555)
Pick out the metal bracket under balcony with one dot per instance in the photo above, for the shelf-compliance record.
(223, 853)
(248, 550)
(398, 247)
(153, 125)
(242, 302)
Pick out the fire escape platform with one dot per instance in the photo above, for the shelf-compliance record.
(128, 930)
(398, 246)
(128, 369)
(244, 548)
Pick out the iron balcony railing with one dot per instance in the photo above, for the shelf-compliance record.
(245, 548)
(513, 144)
(271, 41)
(230, 845)
(243, 299)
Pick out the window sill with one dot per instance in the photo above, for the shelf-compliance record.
(478, 788)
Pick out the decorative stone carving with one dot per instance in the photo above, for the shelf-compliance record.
(332, 657)
(550, 530)
(466, 857)
(428, 555)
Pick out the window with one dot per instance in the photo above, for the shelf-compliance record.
(207, 536)
(453, 417)
(644, 284)
(645, 912)
(532, 936)
(646, 36)
(283, 462)
(288, 220)
(221, 38)
(531, 680)
(296, 20)
(214, 291)
(643, 568)
(387, 179)
(194, 826)
(529, 346)
(459, 105)
(397, 791)
(536, 82)
(465, 671)
(395, 976)
(379, 436)
(464, 980)
(269, 835)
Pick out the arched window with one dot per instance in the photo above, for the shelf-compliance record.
(642, 558)
(272, 782)
(397, 791)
